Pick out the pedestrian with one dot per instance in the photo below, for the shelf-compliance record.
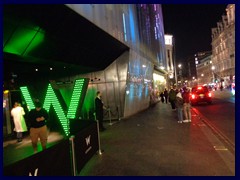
(172, 98)
(186, 105)
(38, 129)
(18, 113)
(221, 87)
(166, 95)
(179, 105)
(162, 97)
(99, 107)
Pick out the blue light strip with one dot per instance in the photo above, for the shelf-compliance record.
(132, 26)
(124, 28)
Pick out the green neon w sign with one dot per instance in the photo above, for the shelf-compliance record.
(78, 94)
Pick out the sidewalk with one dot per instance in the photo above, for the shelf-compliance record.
(13, 151)
(152, 143)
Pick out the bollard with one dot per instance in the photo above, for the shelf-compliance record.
(110, 118)
(118, 113)
(71, 139)
(99, 144)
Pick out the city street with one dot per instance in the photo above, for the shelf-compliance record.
(152, 143)
(112, 66)
(220, 115)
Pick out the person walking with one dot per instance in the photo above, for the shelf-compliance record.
(186, 105)
(179, 105)
(172, 98)
(38, 129)
(18, 113)
(162, 97)
(166, 95)
(99, 106)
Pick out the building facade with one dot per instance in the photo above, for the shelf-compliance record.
(170, 58)
(135, 76)
(223, 48)
(204, 70)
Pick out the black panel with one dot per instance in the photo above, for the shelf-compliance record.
(69, 39)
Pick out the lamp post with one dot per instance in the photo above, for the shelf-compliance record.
(180, 72)
(193, 79)
(175, 73)
(202, 78)
(175, 63)
(213, 68)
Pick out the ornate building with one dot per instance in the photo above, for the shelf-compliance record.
(223, 48)
(171, 67)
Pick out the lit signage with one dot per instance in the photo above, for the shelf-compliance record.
(51, 99)
(168, 39)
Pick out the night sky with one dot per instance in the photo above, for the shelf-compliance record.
(191, 26)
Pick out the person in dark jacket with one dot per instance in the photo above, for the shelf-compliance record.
(179, 105)
(166, 95)
(38, 129)
(162, 97)
(172, 98)
(99, 107)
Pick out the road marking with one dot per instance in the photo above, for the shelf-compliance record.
(215, 130)
(216, 138)
(220, 148)
(201, 124)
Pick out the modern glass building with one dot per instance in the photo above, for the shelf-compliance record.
(128, 83)
(119, 47)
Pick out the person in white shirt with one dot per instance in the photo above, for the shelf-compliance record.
(18, 113)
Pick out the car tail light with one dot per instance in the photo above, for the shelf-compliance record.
(209, 94)
(193, 96)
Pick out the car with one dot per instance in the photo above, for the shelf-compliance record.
(200, 94)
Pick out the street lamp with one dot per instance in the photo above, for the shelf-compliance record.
(213, 68)
(200, 79)
(180, 73)
(193, 79)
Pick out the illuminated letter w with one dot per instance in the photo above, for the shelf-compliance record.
(51, 99)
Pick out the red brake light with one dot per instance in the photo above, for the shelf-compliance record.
(193, 96)
(199, 88)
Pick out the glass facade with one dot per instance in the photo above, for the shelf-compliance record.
(127, 83)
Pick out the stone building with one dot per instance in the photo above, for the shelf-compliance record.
(223, 48)
(204, 69)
